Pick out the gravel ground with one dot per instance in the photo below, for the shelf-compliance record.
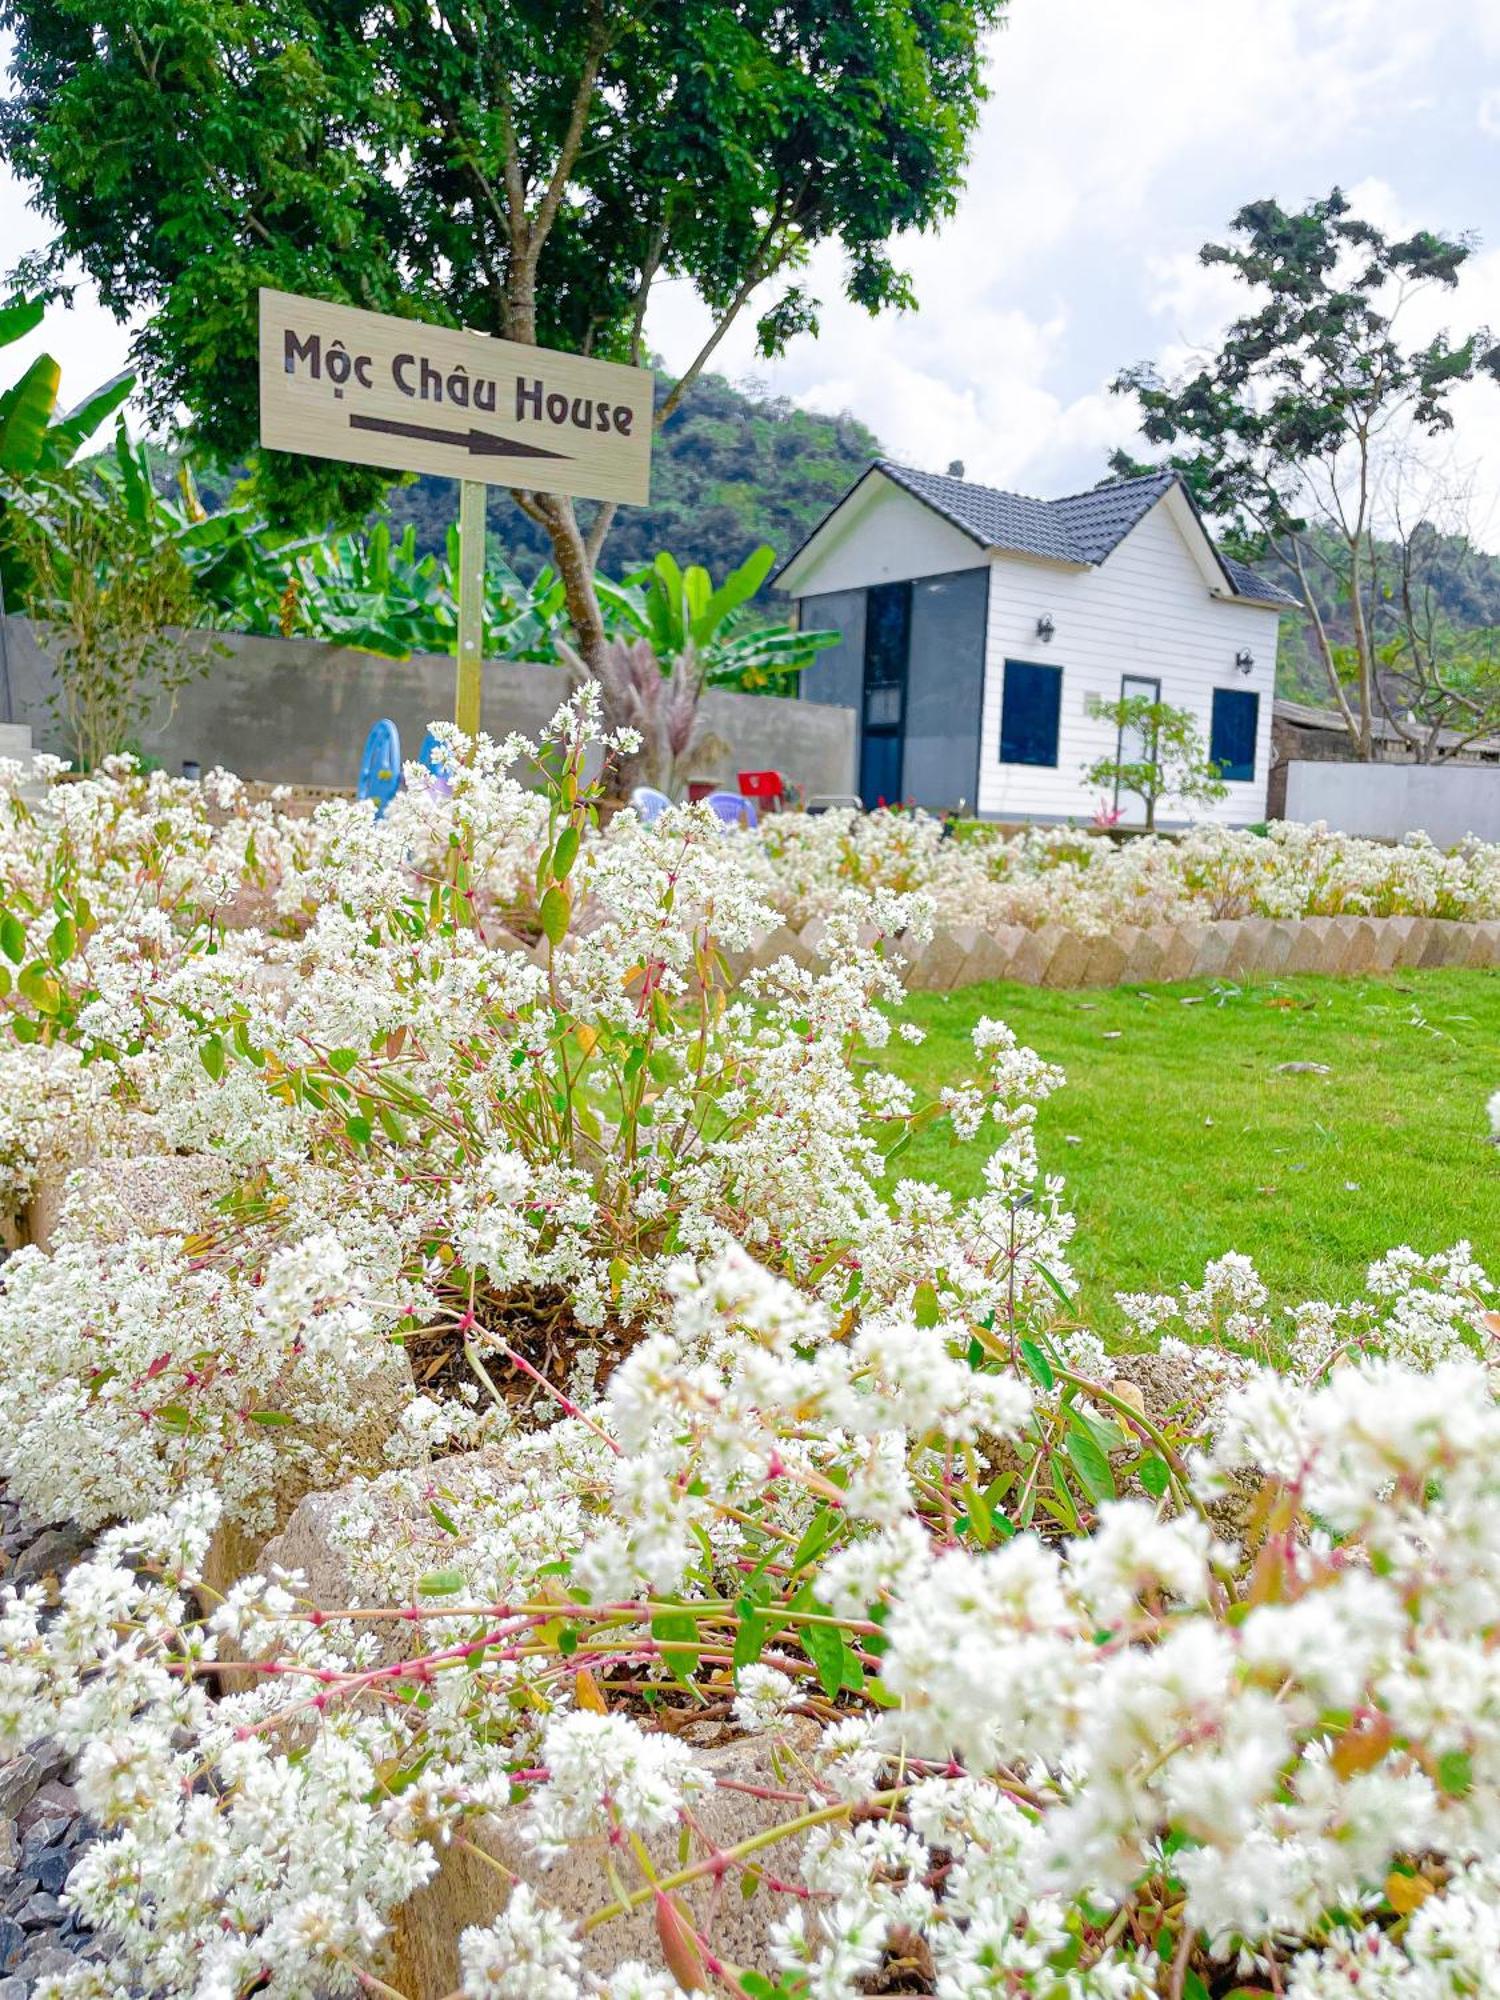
(42, 1829)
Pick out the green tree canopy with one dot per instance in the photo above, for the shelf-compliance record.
(530, 168)
(1289, 432)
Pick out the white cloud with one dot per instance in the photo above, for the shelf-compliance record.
(1116, 140)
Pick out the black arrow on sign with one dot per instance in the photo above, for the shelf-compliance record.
(478, 444)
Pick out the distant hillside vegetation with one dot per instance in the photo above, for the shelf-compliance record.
(1466, 586)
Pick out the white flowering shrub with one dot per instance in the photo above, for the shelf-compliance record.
(1064, 875)
(657, 1402)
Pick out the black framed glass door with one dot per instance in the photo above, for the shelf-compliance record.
(887, 646)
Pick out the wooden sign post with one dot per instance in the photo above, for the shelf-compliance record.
(338, 382)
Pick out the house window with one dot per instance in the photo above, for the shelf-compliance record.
(1231, 742)
(1136, 744)
(1029, 709)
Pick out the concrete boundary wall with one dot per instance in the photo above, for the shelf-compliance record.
(1242, 948)
(1448, 802)
(297, 711)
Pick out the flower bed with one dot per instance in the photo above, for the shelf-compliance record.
(725, 1565)
(1090, 885)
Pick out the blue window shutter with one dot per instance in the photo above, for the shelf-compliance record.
(1231, 743)
(1029, 709)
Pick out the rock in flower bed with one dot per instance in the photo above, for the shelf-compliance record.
(729, 1566)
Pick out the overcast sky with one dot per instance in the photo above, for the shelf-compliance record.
(1120, 134)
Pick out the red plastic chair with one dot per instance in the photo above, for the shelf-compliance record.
(767, 788)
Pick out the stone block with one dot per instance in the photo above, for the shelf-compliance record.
(1034, 955)
(1486, 943)
(1392, 934)
(1276, 947)
(1248, 947)
(1363, 954)
(1107, 960)
(1211, 958)
(1069, 962)
(1414, 945)
(990, 953)
(1309, 952)
(812, 934)
(936, 967)
(1338, 935)
(1466, 942)
(1179, 947)
(1143, 949)
(1448, 943)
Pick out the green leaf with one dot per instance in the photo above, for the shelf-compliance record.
(981, 1520)
(1054, 1284)
(271, 1417)
(20, 317)
(342, 1060)
(360, 1130)
(1037, 1364)
(211, 1055)
(818, 1533)
(12, 937)
(555, 911)
(445, 1521)
(24, 1030)
(565, 853)
(1155, 1475)
(749, 1640)
(25, 413)
(1090, 1464)
(926, 1310)
(440, 1583)
(63, 941)
(681, 1627)
(824, 1646)
(1455, 1772)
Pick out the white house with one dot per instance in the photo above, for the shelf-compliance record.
(977, 629)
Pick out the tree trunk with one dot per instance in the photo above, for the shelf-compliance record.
(1363, 657)
(575, 568)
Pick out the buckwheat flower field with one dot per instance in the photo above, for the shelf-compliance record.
(569, 1519)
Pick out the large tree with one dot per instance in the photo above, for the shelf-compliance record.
(530, 168)
(1294, 434)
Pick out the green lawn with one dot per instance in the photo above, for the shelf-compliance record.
(1190, 1143)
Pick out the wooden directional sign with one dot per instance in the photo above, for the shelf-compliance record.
(337, 382)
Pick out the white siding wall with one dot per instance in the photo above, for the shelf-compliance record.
(883, 536)
(1146, 610)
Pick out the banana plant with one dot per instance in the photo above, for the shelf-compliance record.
(34, 441)
(679, 611)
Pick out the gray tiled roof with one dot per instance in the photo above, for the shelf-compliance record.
(1081, 528)
(1250, 583)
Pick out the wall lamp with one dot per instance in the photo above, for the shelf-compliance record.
(1244, 659)
(1045, 627)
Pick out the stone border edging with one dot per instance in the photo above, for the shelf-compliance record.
(1234, 948)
